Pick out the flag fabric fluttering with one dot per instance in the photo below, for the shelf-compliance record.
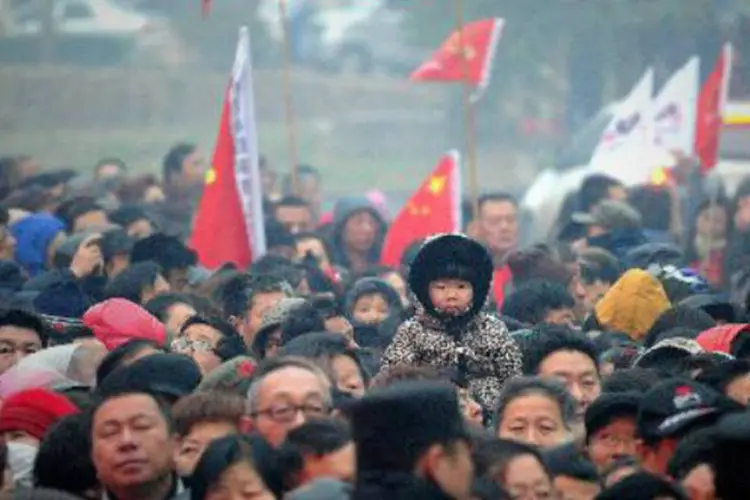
(433, 208)
(710, 109)
(228, 225)
(474, 66)
(674, 110)
(629, 126)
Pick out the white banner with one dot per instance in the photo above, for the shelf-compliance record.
(247, 154)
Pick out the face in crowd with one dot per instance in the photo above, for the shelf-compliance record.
(7, 243)
(451, 296)
(18, 339)
(132, 444)
(360, 231)
(497, 226)
(371, 309)
(285, 399)
(534, 418)
(578, 372)
(296, 218)
(260, 304)
(614, 441)
(200, 342)
(525, 478)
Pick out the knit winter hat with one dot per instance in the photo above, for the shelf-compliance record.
(633, 304)
(33, 411)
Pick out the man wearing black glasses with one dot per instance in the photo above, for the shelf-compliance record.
(286, 392)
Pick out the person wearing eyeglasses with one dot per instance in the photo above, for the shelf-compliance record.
(287, 392)
(210, 341)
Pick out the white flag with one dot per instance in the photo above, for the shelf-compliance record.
(630, 124)
(245, 132)
(674, 110)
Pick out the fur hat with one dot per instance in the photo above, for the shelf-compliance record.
(456, 256)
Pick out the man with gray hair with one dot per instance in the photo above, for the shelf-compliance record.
(287, 391)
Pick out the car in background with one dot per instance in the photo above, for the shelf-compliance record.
(352, 36)
(88, 32)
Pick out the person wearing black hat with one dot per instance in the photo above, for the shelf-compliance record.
(411, 443)
(668, 412)
(167, 376)
(170, 253)
(642, 486)
(450, 279)
(729, 457)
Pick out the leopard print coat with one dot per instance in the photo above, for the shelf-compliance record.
(491, 356)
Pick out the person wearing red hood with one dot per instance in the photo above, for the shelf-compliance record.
(728, 339)
(117, 321)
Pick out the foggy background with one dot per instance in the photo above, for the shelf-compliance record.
(85, 79)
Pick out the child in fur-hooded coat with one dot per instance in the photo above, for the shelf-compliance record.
(450, 279)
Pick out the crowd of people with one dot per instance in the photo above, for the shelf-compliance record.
(610, 362)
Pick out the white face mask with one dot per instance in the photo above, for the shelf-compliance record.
(21, 459)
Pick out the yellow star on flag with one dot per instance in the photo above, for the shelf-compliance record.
(210, 176)
(454, 47)
(437, 184)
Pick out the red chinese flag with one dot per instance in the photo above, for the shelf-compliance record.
(219, 233)
(228, 225)
(479, 40)
(434, 208)
(709, 112)
(206, 4)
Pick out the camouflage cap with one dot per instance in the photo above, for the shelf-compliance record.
(234, 376)
(277, 314)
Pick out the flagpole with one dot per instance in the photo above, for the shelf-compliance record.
(469, 112)
(726, 55)
(288, 103)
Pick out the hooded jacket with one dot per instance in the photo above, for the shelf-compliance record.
(632, 305)
(33, 236)
(721, 338)
(475, 346)
(344, 210)
(367, 286)
(117, 321)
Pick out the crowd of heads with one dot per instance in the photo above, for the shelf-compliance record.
(611, 361)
